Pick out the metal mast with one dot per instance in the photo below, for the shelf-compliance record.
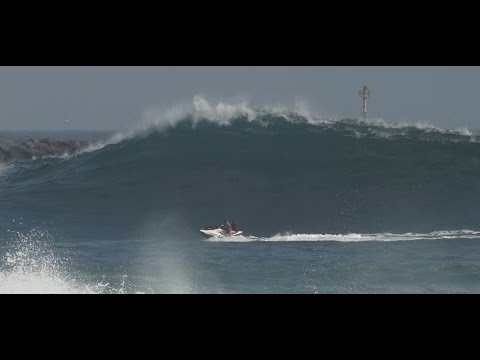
(364, 94)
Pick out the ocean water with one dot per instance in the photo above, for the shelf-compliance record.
(326, 205)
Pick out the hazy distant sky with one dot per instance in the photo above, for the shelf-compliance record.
(114, 98)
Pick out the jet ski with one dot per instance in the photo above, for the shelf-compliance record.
(218, 232)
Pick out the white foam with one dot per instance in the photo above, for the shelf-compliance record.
(358, 237)
(223, 114)
(30, 265)
(464, 132)
(36, 283)
(238, 238)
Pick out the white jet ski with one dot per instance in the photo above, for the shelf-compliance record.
(218, 232)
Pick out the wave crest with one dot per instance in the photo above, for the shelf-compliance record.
(223, 114)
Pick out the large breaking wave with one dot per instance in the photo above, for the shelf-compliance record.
(274, 170)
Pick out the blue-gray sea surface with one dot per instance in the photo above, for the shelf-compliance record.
(334, 207)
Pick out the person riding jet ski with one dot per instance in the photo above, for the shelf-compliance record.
(227, 227)
(224, 230)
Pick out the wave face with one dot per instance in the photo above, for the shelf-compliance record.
(273, 173)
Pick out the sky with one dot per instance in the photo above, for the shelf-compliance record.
(117, 97)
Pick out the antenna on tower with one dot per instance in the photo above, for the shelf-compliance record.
(364, 93)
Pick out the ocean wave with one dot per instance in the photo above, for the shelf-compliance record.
(222, 114)
(272, 170)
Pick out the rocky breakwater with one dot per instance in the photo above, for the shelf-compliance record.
(21, 150)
